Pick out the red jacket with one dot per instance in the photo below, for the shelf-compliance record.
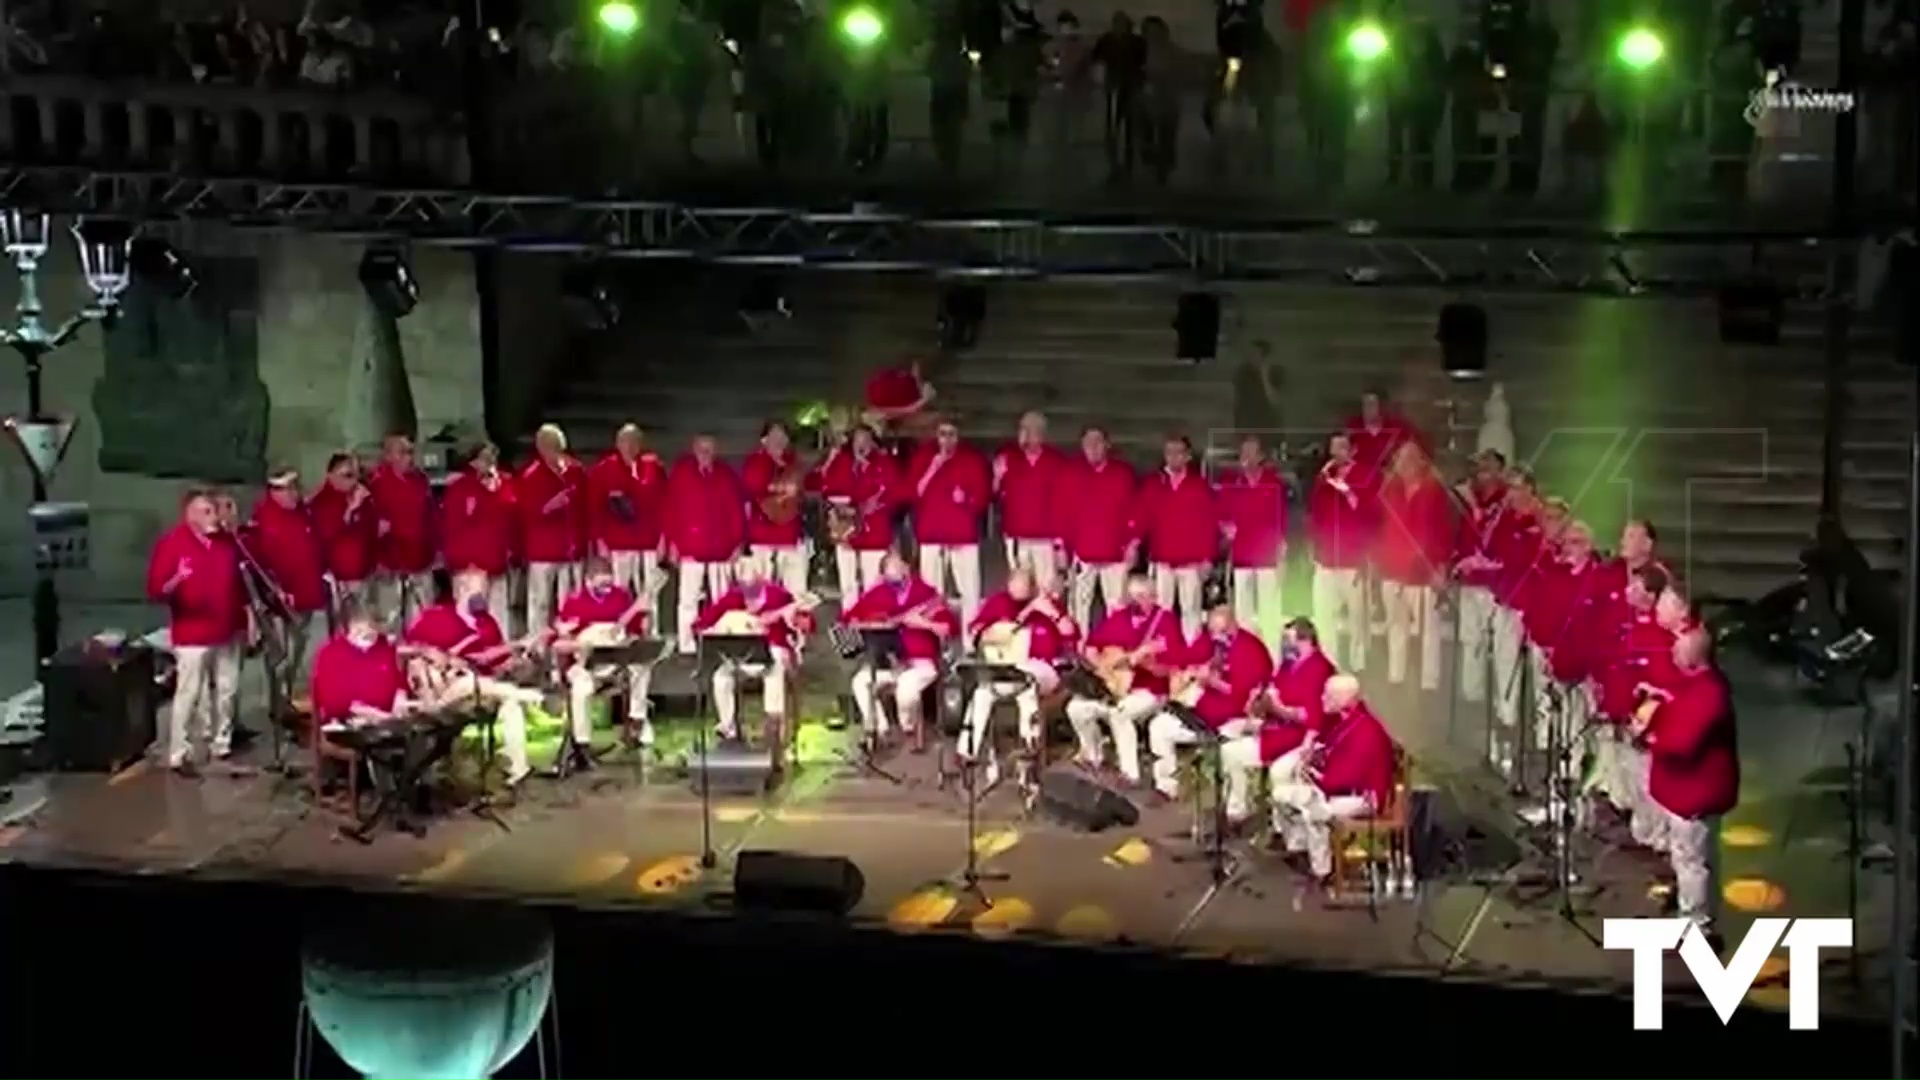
(284, 543)
(770, 598)
(1129, 628)
(1373, 450)
(1520, 546)
(479, 525)
(626, 501)
(1416, 540)
(1178, 523)
(446, 628)
(1097, 524)
(885, 601)
(1254, 502)
(1341, 523)
(706, 511)
(1576, 611)
(1359, 756)
(553, 510)
(209, 605)
(949, 499)
(347, 532)
(1640, 653)
(872, 486)
(893, 388)
(1299, 684)
(1483, 514)
(1032, 490)
(587, 608)
(1696, 758)
(1048, 638)
(345, 676)
(404, 501)
(1242, 661)
(757, 475)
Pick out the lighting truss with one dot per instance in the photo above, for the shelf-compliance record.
(1539, 258)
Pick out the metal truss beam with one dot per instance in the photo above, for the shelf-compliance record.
(1538, 258)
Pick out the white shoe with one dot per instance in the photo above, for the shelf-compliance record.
(516, 776)
(646, 732)
(726, 732)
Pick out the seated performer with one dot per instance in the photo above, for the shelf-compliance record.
(1225, 667)
(602, 615)
(904, 602)
(1695, 775)
(457, 651)
(1294, 711)
(1132, 651)
(1345, 771)
(1021, 628)
(754, 605)
(357, 677)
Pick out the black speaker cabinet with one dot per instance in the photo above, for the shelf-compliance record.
(1075, 799)
(782, 881)
(101, 706)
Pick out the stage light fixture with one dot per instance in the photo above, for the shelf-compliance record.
(1640, 49)
(584, 293)
(618, 18)
(1196, 322)
(1463, 336)
(963, 309)
(1751, 312)
(1367, 42)
(1502, 25)
(389, 280)
(155, 262)
(862, 27)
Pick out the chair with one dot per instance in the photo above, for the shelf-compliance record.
(344, 804)
(1383, 837)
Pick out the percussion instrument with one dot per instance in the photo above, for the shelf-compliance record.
(1006, 644)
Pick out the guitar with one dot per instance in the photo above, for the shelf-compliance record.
(1006, 644)
(743, 623)
(1113, 666)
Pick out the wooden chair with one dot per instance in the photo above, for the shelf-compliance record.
(342, 800)
(1383, 838)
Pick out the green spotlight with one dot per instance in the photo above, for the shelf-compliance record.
(862, 26)
(618, 17)
(1367, 42)
(1640, 49)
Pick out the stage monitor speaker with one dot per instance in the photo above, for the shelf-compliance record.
(100, 705)
(732, 769)
(1197, 323)
(1462, 335)
(1073, 798)
(773, 881)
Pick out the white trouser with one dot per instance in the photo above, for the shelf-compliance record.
(1690, 849)
(510, 703)
(858, 571)
(1605, 775)
(500, 603)
(909, 684)
(341, 595)
(206, 691)
(400, 596)
(1026, 703)
(1038, 556)
(1509, 643)
(1257, 601)
(785, 564)
(1240, 760)
(585, 680)
(1179, 587)
(1122, 721)
(1303, 815)
(1477, 615)
(1648, 820)
(548, 585)
(1412, 610)
(726, 690)
(1560, 711)
(962, 562)
(1166, 734)
(1340, 615)
(640, 574)
(1109, 578)
(713, 578)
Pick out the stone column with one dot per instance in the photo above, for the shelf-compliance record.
(379, 396)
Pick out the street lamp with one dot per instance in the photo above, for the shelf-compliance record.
(103, 246)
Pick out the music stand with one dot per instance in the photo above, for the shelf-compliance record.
(880, 647)
(1222, 871)
(488, 715)
(972, 880)
(642, 652)
(728, 646)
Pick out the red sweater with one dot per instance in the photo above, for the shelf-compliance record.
(404, 501)
(284, 543)
(1359, 756)
(1098, 521)
(626, 502)
(1048, 638)
(345, 676)
(1696, 758)
(757, 476)
(769, 597)
(1130, 627)
(552, 500)
(885, 601)
(1301, 684)
(1242, 661)
(1032, 489)
(1341, 523)
(209, 605)
(479, 525)
(948, 495)
(588, 608)
(1177, 519)
(706, 511)
(873, 487)
(346, 532)
(1254, 502)
(445, 628)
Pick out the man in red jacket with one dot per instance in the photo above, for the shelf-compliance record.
(895, 395)
(772, 478)
(706, 529)
(479, 528)
(1029, 480)
(602, 612)
(357, 675)
(1345, 771)
(1522, 540)
(1175, 516)
(1483, 498)
(925, 623)
(1620, 769)
(348, 528)
(1253, 508)
(281, 538)
(947, 488)
(1149, 634)
(1341, 519)
(551, 493)
(407, 549)
(862, 488)
(783, 618)
(1695, 775)
(1561, 614)
(1413, 554)
(1377, 434)
(626, 507)
(1051, 637)
(1229, 665)
(464, 646)
(195, 573)
(1097, 527)
(1297, 699)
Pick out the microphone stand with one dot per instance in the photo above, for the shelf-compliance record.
(703, 701)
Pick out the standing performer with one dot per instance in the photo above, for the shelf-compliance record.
(1558, 614)
(1341, 521)
(706, 528)
(1029, 480)
(1050, 637)
(1296, 712)
(947, 485)
(1253, 505)
(774, 481)
(626, 510)
(1484, 497)
(862, 487)
(895, 396)
(480, 528)
(1174, 515)
(925, 621)
(1132, 650)
(459, 646)
(1516, 543)
(1695, 774)
(1377, 433)
(403, 499)
(282, 538)
(1097, 527)
(1638, 543)
(1222, 671)
(195, 573)
(1345, 771)
(1640, 648)
(344, 520)
(783, 617)
(602, 612)
(1413, 551)
(551, 493)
